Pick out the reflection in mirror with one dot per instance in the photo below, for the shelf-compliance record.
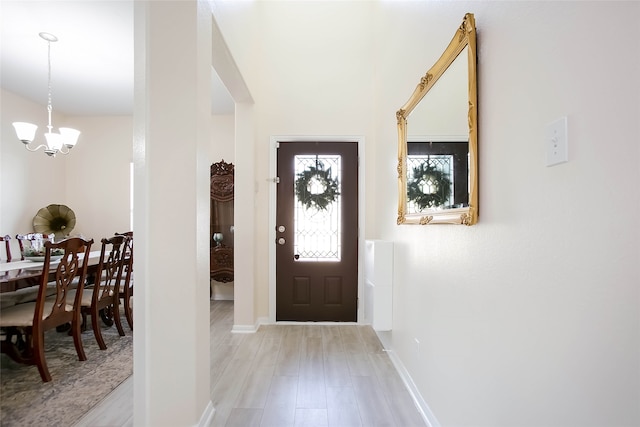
(437, 139)
(444, 111)
(438, 144)
(438, 175)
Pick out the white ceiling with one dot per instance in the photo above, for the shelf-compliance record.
(91, 63)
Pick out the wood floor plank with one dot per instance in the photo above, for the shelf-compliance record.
(360, 364)
(288, 362)
(279, 410)
(311, 392)
(332, 340)
(255, 389)
(382, 365)
(312, 331)
(336, 370)
(267, 356)
(220, 358)
(311, 357)
(290, 375)
(372, 403)
(244, 417)
(249, 347)
(227, 388)
(271, 331)
(122, 399)
(342, 407)
(403, 408)
(368, 337)
(311, 418)
(351, 340)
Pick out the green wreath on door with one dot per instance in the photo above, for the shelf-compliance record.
(323, 178)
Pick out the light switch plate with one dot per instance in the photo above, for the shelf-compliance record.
(557, 142)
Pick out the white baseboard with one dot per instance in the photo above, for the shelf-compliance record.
(222, 298)
(287, 322)
(422, 406)
(207, 416)
(244, 329)
(248, 329)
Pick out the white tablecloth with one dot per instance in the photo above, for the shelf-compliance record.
(94, 258)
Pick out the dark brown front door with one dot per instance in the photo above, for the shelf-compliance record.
(317, 231)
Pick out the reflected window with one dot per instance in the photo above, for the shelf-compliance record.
(437, 175)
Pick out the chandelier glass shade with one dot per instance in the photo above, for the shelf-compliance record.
(55, 143)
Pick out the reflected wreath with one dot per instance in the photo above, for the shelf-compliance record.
(423, 174)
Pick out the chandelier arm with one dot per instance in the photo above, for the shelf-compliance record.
(45, 146)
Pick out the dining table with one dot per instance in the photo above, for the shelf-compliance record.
(21, 274)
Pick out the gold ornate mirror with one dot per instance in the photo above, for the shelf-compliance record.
(438, 139)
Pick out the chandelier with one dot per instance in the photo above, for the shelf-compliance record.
(56, 143)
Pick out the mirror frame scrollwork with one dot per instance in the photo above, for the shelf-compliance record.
(465, 36)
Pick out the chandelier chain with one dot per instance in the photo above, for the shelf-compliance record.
(49, 107)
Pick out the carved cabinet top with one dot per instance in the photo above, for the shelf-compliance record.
(222, 181)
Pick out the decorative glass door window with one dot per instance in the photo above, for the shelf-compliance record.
(317, 207)
(429, 182)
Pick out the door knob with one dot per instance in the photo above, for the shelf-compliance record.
(281, 228)
(281, 241)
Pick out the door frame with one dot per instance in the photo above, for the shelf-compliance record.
(273, 157)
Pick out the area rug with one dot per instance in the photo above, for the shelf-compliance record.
(75, 387)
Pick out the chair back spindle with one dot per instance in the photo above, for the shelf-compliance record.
(126, 288)
(6, 239)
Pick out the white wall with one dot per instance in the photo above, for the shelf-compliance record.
(28, 181)
(531, 316)
(98, 175)
(222, 138)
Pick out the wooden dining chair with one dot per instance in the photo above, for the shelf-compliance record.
(101, 299)
(28, 293)
(31, 237)
(25, 324)
(21, 238)
(126, 288)
(7, 239)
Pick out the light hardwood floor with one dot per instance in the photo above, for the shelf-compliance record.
(290, 375)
